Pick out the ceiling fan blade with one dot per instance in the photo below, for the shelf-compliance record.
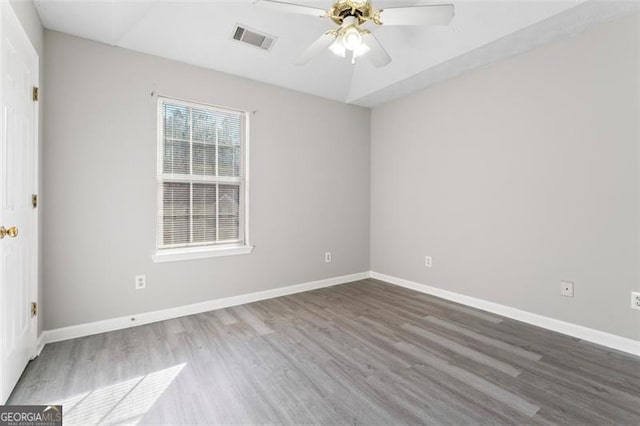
(433, 14)
(377, 55)
(316, 48)
(290, 8)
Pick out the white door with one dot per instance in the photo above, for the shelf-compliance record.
(18, 182)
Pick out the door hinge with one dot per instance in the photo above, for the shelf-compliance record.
(35, 93)
(34, 309)
(34, 200)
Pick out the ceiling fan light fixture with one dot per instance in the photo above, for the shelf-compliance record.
(351, 38)
(361, 50)
(338, 49)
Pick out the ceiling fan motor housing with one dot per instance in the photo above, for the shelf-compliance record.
(361, 10)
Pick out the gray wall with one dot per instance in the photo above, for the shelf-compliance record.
(309, 185)
(28, 16)
(519, 175)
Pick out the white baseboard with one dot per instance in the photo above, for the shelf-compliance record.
(81, 330)
(40, 344)
(595, 336)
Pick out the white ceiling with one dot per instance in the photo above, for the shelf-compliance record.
(199, 33)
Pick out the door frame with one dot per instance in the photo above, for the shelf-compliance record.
(8, 14)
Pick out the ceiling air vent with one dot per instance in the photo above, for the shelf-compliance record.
(253, 37)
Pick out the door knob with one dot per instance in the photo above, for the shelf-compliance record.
(12, 232)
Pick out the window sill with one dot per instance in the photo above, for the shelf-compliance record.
(201, 253)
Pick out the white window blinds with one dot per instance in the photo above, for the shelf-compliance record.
(200, 175)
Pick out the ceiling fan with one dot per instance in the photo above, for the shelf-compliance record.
(351, 38)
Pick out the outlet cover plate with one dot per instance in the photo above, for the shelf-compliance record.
(635, 300)
(141, 282)
(566, 288)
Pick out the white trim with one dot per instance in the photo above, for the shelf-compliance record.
(35, 258)
(203, 253)
(589, 334)
(74, 331)
(245, 150)
(39, 346)
(7, 11)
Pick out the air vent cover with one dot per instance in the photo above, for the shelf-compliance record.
(254, 38)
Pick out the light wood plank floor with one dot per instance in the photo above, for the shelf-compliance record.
(360, 353)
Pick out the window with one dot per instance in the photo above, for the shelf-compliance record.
(201, 181)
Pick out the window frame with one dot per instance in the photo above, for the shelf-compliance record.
(239, 247)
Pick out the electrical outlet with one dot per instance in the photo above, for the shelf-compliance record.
(141, 282)
(635, 300)
(428, 261)
(327, 257)
(566, 288)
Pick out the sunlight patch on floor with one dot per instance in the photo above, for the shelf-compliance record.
(121, 403)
